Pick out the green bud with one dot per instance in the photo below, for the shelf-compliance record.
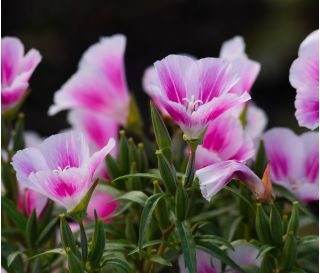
(74, 264)
(285, 220)
(134, 183)
(289, 252)
(18, 139)
(161, 210)
(276, 227)
(133, 152)
(31, 229)
(123, 153)
(262, 225)
(112, 166)
(293, 224)
(161, 133)
(182, 202)
(167, 172)
(67, 238)
(143, 163)
(98, 244)
(267, 265)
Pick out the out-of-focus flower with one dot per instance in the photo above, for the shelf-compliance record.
(256, 121)
(60, 168)
(244, 254)
(195, 92)
(16, 70)
(103, 203)
(99, 85)
(294, 161)
(233, 50)
(304, 77)
(224, 140)
(205, 263)
(214, 177)
(30, 200)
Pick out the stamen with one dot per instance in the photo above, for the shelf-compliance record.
(192, 104)
(60, 170)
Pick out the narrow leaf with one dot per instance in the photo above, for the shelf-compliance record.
(134, 196)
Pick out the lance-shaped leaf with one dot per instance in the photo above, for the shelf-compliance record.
(187, 245)
(74, 264)
(146, 215)
(98, 244)
(161, 133)
(112, 166)
(32, 229)
(167, 171)
(134, 196)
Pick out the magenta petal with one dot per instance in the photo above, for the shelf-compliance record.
(97, 128)
(103, 203)
(213, 178)
(29, 63)
(285, 153)
(256, 121)
(26, 162)
(35, 200)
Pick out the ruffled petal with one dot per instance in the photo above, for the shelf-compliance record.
(214, 177)
(103, 203)
(285, 154)
(65, 150)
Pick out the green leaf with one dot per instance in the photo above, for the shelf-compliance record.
(118, 245)
(187, 245)
(136, 175)
(148, 244)
(215, 239)
(236, 192)
(118, 263)
(234, 227)
(98, 244)
(147, 211)
(13, 256)
(74, 263)
(123, 158)
(46, 233)
(159, 260)
(32, 229)
(59, 251)
(18, 139)
(264, 250)
(134, 196)
(15, 216)
(160, 131)
(112, 166)
(309, 239)
(218, 253)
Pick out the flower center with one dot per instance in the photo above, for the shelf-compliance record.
(60, 170)
(192, 105)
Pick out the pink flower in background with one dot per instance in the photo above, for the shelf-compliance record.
(195, 92)
(99, 85)
(256, 121)
(294, 161)
(16, 70)
(103, 203)
(30, 200)
(61, 168)
(214, 177)
(304, 77)
(224, 140)
(233, 50)
(205, 263)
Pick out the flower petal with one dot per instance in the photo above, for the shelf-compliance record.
(244, 254)
(214, 177)
(35, 200)
(233, 48)
(65, 150)
(285, 153)
(29, 63)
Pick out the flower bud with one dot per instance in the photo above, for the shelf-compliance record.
(112, 167)
(133, 153)
(67, 238)
(262, 225)
(276, 226)
(143, 163)
(161, 210)
(293, 224)
(267, 265)
(267, 185)
(161, 133)
(98, 244)
(182, 202)
(167, 172)
(74, 264)
(123, 153)
(289, 252)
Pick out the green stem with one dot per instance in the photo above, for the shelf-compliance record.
(190, 171)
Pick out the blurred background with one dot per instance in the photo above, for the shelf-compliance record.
(62, 30)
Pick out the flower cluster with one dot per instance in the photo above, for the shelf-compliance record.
(218, 194)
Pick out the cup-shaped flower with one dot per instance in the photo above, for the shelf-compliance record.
(103, 203)
(304, 77)
(99, 85)
(195, 92)
(61, 168)
(233, 50)
(16, 70)
(294, 161)
(225, 139)
(214, 177)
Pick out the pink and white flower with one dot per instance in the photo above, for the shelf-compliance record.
(304, 77)
(195, 92)
(233, 50)
(224, 140)
(103, 203)
(214, 177)
(99, 85)
(30, 200)
(294, 161)
(61, 168)
(16, 70)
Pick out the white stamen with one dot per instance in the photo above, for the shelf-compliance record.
(60, 170)
(192, 105)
